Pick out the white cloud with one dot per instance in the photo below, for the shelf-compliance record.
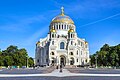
(101, 20)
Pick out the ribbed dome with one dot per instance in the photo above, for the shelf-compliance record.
(62, 18)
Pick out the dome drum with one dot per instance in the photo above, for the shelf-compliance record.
(62, 26)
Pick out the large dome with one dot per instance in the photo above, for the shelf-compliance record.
(62, 18)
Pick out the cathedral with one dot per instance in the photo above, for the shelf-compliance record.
(62, 44)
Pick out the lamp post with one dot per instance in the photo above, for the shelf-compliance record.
(27, 61)
(56, 63)
(96, 60)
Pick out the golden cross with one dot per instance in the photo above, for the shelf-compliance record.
(62, 10)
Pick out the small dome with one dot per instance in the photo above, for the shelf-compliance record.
(86, 42)
(38, 43)
(52, 30)
(62, 18)
(71, 30)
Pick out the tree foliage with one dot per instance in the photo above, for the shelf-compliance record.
(13, 56)
(107, 56)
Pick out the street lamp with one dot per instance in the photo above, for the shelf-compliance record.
(96, 60)
(27, 61)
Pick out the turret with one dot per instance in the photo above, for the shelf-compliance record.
(52, 33)
(71, 34)
(38, 44)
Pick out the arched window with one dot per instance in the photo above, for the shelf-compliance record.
(52, 35)
(62, 45)
(77, 52)
(71, 35)
(71, 42)
(65, 26)
(77, 60)
(52, 42)
(59, 26)
(71, 61)
(53, 26)
(71, 53)
(81, 52)
(38, 60)
(52, 53)
(53, 61)
(62, 26)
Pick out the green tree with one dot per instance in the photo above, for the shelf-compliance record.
(92, 59)
(118, 52)
(12, 49)
(8, 61)
(107, 56)
(1, 61)
(30, 62)
(13, 56)
(114, 57)
(102, 60)
(22, 57)
(105, 47)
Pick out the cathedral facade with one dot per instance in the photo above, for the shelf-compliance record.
(62, 45)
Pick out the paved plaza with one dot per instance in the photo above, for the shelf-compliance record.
(62, 78)
(66, 74)
(95, 71)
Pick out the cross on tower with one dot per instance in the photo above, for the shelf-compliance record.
(62, 10)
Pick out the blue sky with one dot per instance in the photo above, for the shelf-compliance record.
(24, 22)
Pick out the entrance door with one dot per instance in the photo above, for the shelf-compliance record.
(62, 60)
(72, 61)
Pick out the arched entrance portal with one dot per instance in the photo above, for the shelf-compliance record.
(62, 60)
